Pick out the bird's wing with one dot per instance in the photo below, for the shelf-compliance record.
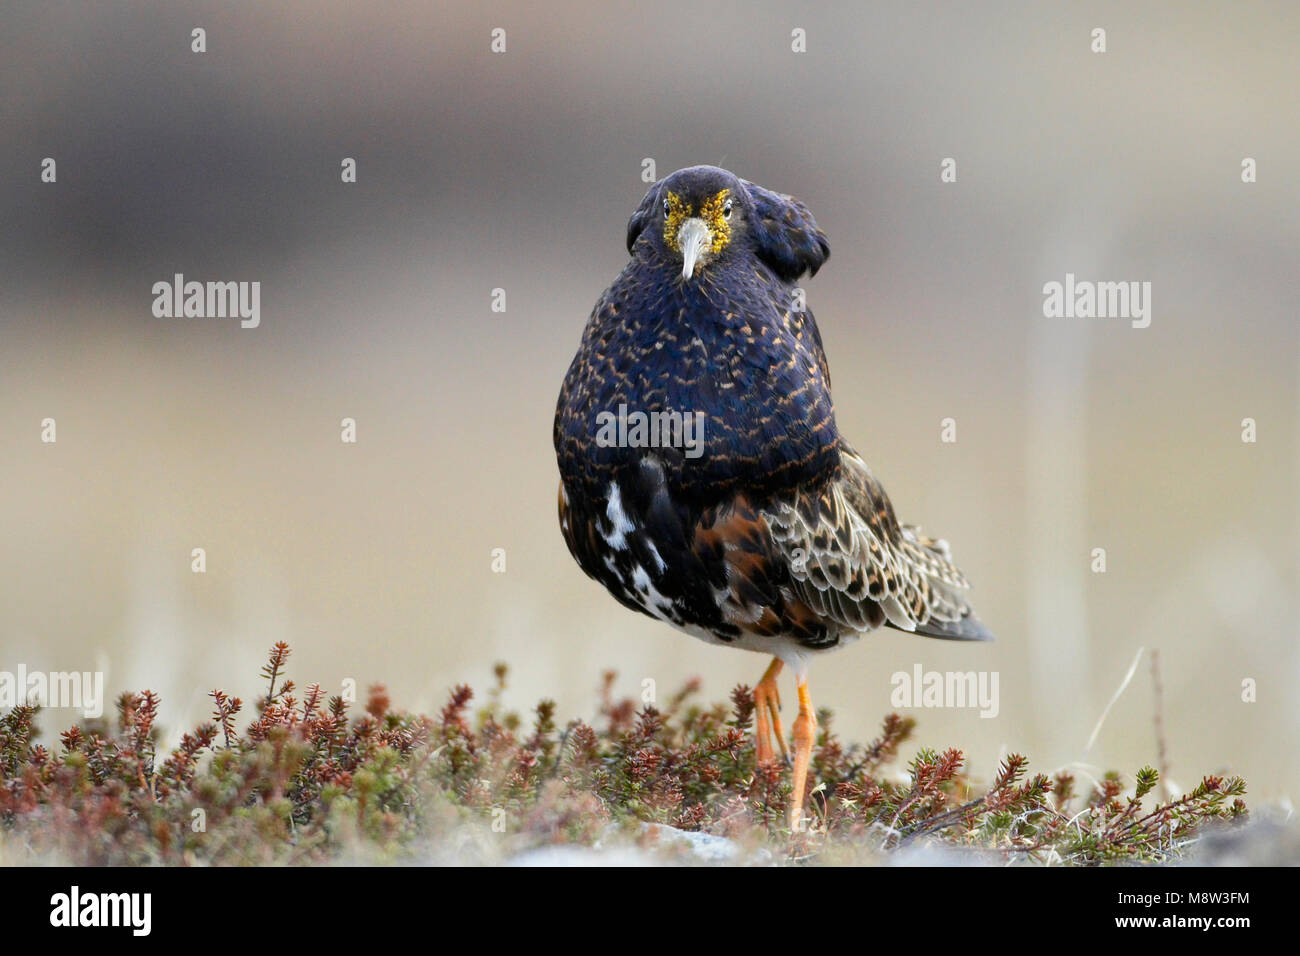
(851, 560)
(756, 592)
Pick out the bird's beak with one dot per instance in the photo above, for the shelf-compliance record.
(692, 239)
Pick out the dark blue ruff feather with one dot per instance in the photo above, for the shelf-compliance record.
(725, 345)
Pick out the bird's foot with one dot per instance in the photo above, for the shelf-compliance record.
(767, 717)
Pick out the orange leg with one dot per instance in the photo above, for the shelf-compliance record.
(805, 735)
(767, 715)
(762, 729)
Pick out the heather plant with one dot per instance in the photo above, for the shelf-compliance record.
(304, 779)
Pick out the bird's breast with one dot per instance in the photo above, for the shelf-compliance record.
(713, 378)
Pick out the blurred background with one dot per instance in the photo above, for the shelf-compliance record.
(518, 171)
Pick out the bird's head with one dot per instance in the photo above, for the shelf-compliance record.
(702, 214)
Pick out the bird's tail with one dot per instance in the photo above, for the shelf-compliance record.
(968, 628)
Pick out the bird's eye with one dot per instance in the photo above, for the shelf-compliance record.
(726, 210)
(665, 208)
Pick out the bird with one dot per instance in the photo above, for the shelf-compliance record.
(704, 480)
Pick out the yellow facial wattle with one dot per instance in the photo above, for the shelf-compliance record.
(711, 211)
(678, 213)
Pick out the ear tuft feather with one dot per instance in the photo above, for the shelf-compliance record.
(786, 236)
(642, 216)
